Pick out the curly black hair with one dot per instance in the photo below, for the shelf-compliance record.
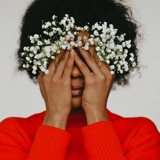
(84, 11)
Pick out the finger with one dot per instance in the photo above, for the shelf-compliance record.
(104, 67)
(69, 65)
(83, 67)
(53, 64)
(92, 50)
(94, 67)
(61, 65)
(58, 57)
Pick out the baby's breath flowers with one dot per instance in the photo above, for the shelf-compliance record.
(110, 47)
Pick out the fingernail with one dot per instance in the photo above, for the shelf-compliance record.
(85, 39)
(72, 52)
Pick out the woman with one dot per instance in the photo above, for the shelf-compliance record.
(76, 123)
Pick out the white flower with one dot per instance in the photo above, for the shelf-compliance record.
(51, 34)
(64, 34)
(68, 47)
(28, 58)
(79, 43)
(126, 68)
(125, 51)
(54, 48)
(128, 44)
(86, 27)
(53, 17)
(96, 33)
(53, 57)
(121, 38)
(99, 27)
(72, 43)
(31, 55)
(33, 71)
(64, 46)
(134, 64)
(45, 32)
(23, 53)
(131, 54)
(108, 61)
(112, 67)
(32, 49)
(46, 71)
(53, 23)
(111, 46)
(91, 41)
(36, 36)
(48, 24)
(98, 48)
(34, 67)
(86, 47)
(39, 43)
(121, 71)
(120, 48)
(47, 41)
(131, 59)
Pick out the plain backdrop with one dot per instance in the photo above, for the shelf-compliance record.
(20, 97)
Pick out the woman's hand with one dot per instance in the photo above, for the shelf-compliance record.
(98, 83)
(56, 90)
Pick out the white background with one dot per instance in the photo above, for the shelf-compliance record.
(20, 97)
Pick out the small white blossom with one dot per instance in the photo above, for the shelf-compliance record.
(110, 47)
(131, 54)
(39, 43)
(28, 58)
(72, 43)
(128, 44)
(97, 48)
(134, 64)
(36, 36)
(86, 47)
(108, 61)
(96, 33)
(79, 43)
(131, 59)
(86, 27)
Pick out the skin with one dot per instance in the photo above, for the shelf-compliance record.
(89, 73)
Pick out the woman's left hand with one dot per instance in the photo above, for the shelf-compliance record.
(98, 83)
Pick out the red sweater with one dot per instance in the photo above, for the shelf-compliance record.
(25, 138)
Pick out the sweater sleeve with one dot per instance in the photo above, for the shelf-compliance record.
(102, 143)
(49, 143)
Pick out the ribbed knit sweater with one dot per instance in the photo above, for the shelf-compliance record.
(119, 138)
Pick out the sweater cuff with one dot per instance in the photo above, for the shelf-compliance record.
(101, 141)
(49, 143)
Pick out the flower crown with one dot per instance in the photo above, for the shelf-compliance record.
(111, 48)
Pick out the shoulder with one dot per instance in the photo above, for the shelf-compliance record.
(143, 123)
(14, 122)
(146, 125)
(138, 126)
(143, 134)
(133, 124)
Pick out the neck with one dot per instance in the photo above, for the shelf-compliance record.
(77, 110)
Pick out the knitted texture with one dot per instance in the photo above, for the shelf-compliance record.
(119, 138)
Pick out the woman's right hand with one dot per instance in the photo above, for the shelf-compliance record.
(55, 88)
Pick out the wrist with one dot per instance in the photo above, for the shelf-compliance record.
(96, 116)
(56, 120)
